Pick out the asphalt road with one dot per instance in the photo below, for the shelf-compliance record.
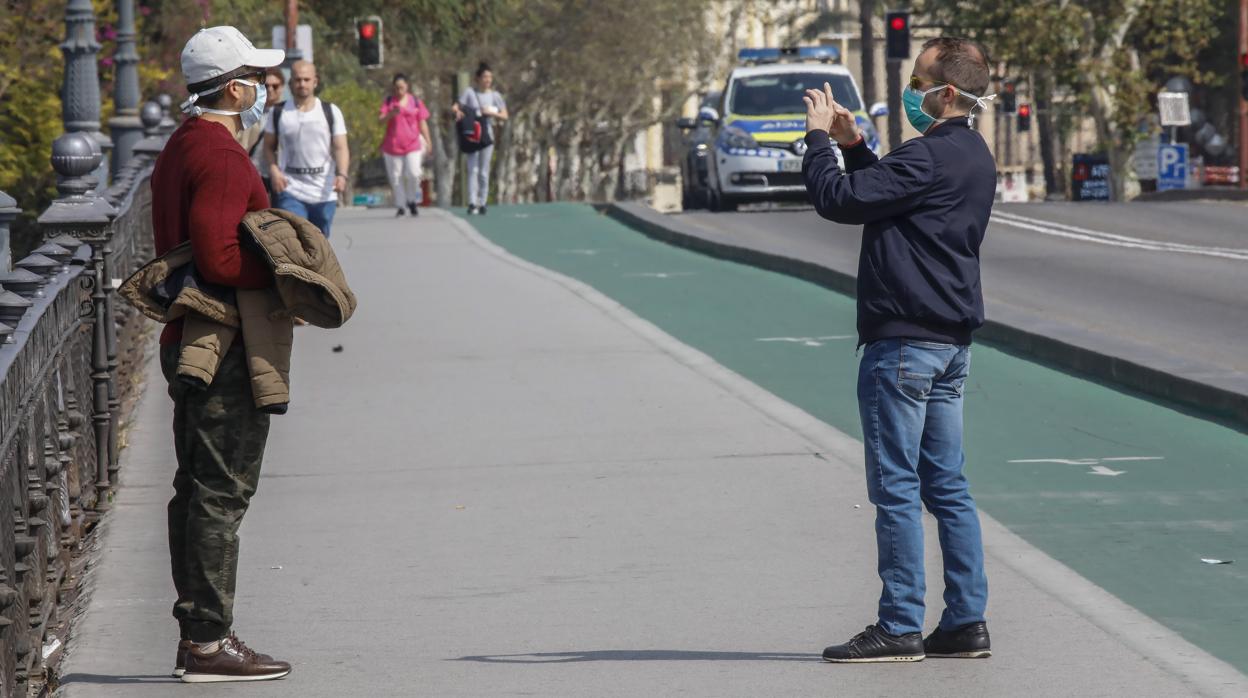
(1171, 277)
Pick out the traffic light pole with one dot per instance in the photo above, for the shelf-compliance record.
(1243, 102)
(894, 103)
(292, 27)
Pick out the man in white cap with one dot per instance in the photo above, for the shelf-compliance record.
(202, 186)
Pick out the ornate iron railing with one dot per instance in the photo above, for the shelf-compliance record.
(68, 366)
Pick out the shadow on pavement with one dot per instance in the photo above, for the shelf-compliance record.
(638, 656)
(108, 680)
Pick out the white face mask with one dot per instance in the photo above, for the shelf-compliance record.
(250, 116)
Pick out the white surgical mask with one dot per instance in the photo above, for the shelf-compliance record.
(250, 116)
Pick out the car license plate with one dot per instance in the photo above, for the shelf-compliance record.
(791, 165)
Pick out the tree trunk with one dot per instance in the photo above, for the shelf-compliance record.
(1044, 121)
(443, 155)
(1103, 114)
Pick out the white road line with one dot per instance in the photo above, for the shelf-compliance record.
(1088, 235)
(660, 274)
(808, 341)
(1086, 461)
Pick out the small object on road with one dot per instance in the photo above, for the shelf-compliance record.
(337, 348)
(1211, 561)
(276, 567)
(460, 506)
(857, 506)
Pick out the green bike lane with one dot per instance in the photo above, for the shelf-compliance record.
(1129, 493)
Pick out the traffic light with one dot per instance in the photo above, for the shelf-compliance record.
(1007, 96)
(1024, 118)
(368, 32)
(897, 35)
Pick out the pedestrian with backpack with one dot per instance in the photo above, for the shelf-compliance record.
(406, 119)
(475, 112)
(306, 143)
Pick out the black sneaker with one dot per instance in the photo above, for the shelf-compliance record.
(472, 210)
(399, 213)
(968, 642)
(481, 211)
(875, 645)
(413, 209)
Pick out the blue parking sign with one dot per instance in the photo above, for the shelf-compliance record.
(1172, 166)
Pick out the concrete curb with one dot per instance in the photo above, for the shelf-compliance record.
(1135, 374)
(1205, 673)
(1202, 194)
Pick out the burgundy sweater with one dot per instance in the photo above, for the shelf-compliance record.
(202, 186)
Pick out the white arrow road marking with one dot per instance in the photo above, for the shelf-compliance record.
(661, 274)
(1060, 461)
(1088, 235)
(807, 341)
(1093, 463)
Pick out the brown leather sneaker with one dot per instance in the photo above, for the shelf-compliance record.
(179, 664)
(234, 661)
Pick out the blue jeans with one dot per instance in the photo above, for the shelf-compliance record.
(910, 399)
(321, 215)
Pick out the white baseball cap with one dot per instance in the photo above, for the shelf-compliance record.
(215, 51)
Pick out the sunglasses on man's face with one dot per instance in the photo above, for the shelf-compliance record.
(916, 83)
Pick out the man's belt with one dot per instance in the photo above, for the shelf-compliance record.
(306, 170)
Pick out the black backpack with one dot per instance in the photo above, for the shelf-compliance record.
(473, 129)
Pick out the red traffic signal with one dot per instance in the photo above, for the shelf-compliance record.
(1024, 118)
(368, 35)
(1024, 110)
(897, 36)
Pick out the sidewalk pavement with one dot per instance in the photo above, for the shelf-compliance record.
(505, 483)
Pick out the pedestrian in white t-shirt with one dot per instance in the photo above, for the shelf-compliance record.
(309, 165)
(485, 101)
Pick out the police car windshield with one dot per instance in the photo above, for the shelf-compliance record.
(771, 95)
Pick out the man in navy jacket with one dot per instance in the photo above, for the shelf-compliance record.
(925, 208)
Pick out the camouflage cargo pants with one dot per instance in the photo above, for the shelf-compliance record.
(219, 439)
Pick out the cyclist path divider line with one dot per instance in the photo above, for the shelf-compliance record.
(496, 480)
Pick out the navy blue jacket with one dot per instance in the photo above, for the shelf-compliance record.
(925, 208)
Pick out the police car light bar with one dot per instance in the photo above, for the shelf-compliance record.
(827, 54)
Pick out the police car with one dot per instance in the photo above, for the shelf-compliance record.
(757, 132)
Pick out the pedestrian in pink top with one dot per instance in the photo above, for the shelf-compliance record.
(407, 130)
